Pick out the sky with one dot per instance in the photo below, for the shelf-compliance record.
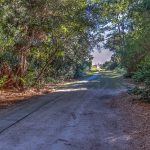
(101, 57)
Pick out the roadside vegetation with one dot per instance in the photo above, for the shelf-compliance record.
(43, 41)
(129, 40)
(49, 41)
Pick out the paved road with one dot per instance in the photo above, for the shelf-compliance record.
(78, 117)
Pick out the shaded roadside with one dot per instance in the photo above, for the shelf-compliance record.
(136, 118)
(10, 97)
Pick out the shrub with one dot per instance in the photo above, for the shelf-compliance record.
(143, 75)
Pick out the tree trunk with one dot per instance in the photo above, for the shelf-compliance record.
(23, 62)
(22, 67)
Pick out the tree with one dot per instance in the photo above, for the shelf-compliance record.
(37, 36)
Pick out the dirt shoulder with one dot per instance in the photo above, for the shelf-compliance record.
(137, 119)
(12, 96)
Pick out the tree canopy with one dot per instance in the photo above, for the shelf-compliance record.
(45, 39)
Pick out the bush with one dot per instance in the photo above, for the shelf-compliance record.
(110, 65)
(143, 75)
(143, 72)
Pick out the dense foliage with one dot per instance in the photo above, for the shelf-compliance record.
(42, 40)
(129, 37)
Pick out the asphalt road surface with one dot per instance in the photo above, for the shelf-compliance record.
(80, 116)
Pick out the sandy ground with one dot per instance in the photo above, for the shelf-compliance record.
(86, 115)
